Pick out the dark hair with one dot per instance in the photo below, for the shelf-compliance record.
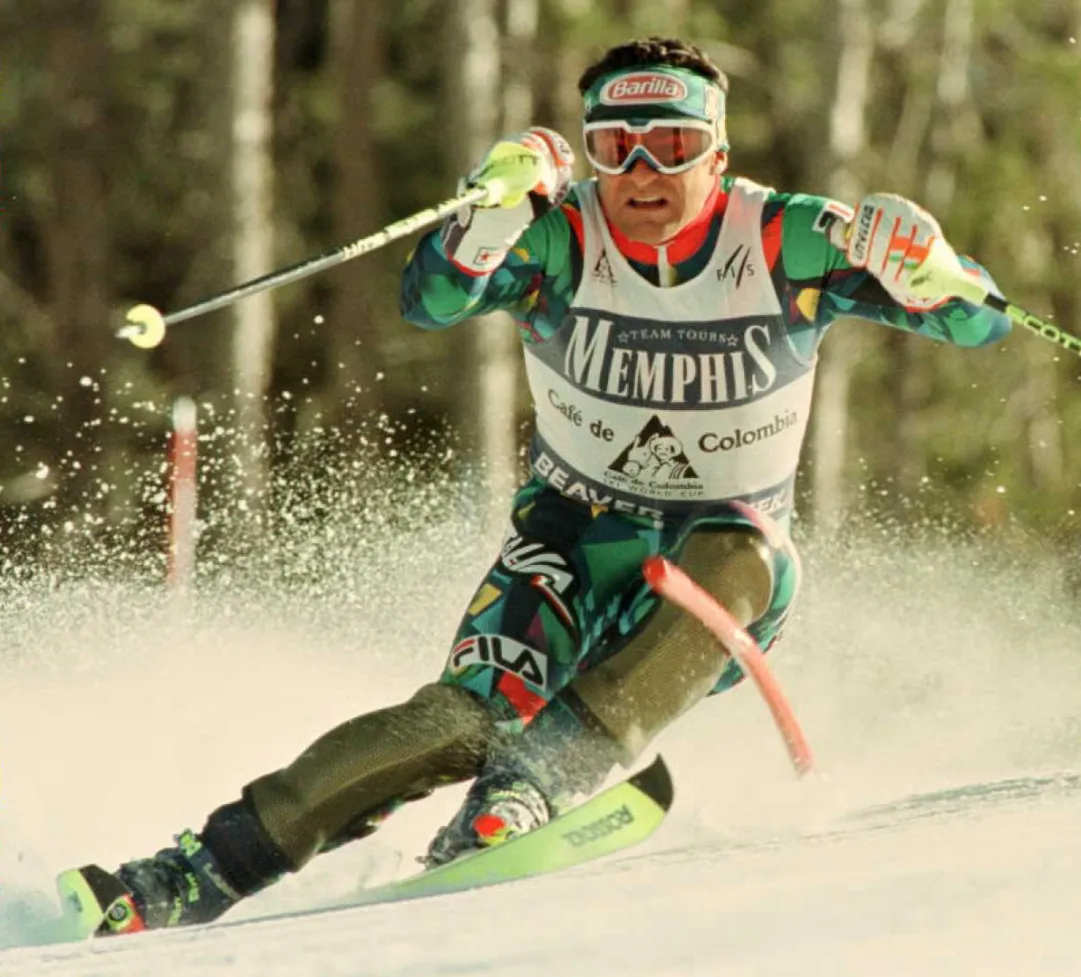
(652, 51)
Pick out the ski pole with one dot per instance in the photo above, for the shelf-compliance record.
(939, 276)
(145, 327)
(1041, 327)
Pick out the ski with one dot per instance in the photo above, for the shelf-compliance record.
(89, 896)
(95, 902)
(617, 818)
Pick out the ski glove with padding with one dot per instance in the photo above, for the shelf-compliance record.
(527, 174)
(902, 245)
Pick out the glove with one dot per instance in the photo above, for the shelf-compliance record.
(536, 162)
(526, 175)
(902, 245)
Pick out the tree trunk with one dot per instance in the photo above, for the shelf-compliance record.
(559, 62)
(1048, 433)
(911, 363)
(478, 363)
(847, 138)
(253, 241)
(76, 245)
(497, 345)
(952, 95)
(352, 334)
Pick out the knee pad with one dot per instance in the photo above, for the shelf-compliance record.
(673, 661)
(735, 565)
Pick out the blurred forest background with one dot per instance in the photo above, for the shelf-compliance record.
(163, 150)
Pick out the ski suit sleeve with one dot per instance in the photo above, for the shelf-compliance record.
(819, 279)
(534, 283)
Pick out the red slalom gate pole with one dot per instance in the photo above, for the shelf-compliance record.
(183, 495)
(674, 585)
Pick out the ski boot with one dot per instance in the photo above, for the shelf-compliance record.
(499, 806)
(177, 887)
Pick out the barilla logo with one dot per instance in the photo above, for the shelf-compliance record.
(644, 88)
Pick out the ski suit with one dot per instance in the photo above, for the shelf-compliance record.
(672, 387)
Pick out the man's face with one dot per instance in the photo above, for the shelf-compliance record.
(653, 207)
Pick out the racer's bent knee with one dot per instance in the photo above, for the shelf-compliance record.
(786, 574)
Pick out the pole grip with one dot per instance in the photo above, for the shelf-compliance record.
(939, 277)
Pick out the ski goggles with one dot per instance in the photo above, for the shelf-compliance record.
(668, 145)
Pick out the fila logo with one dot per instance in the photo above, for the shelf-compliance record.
(503, 653)
(548, 571)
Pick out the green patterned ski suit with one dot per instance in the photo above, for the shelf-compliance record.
(566, 591)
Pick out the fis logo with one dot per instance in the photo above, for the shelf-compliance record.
(737, 266)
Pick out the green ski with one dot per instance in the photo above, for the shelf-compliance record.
(617, 818)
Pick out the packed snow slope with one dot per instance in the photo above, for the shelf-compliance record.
(938, 682)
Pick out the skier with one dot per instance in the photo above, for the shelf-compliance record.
(670, 316)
